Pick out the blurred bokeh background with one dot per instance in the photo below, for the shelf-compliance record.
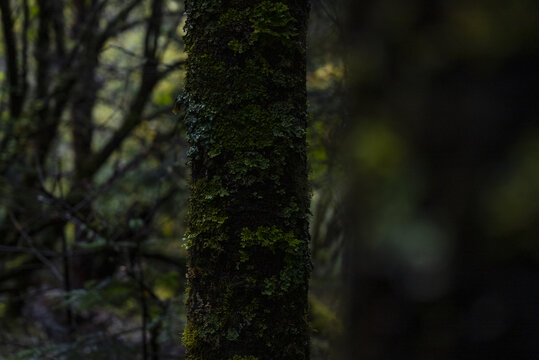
(442, 210)
(424, 152)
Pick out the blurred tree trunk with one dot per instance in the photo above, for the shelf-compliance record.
(464, 292)
(248, 234)
(84, 96)
(16, 93)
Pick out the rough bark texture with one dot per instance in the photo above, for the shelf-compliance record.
(248, 234)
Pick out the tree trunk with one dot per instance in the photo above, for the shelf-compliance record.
(248, 237)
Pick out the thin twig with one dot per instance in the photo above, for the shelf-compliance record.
(36, 252)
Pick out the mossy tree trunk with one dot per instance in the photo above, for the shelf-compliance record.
(248, 237)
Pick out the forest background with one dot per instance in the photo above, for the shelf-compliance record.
(424, 153)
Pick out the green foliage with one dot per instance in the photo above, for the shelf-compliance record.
(323, 320)
(90, 175)
(97, 243)
(101, 294)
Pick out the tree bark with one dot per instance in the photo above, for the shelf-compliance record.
(247, 239)
(16, 96)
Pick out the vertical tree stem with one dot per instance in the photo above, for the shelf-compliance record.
(248, 264)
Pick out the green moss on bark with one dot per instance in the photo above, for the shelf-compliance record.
(248, 232)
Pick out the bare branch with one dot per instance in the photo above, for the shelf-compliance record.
(35, 251)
